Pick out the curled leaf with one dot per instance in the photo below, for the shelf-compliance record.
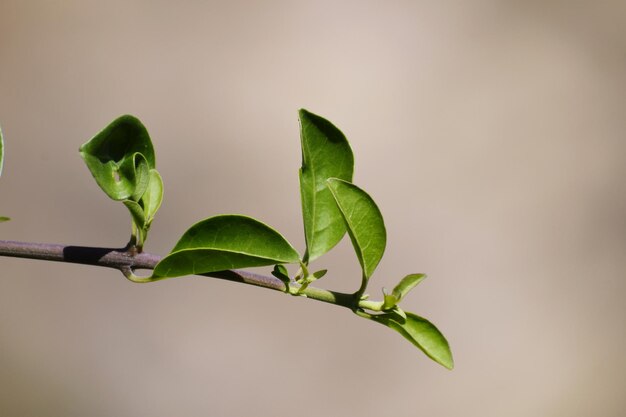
(120, 158)
(326, 154)
(281, 273)
(225, 242)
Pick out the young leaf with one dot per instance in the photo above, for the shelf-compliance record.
(406, 284)
(365, 223)
(153, 196)
(137, 169)
(120, 158)
(421, 333)
(281, 273)
(389, 301)
(143, 212)
(325, 154)
(136, 212)
(400, 312)
(319, 274)
(225, 242)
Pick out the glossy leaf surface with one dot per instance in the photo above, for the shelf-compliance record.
(153, 196)
(421, 333)
(136, 212)
(325, 154)
(365, 223)
(143, 212)
(406, 284)
(226, 242)
(120, 158)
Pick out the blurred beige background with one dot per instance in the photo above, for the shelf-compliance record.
(490, 133)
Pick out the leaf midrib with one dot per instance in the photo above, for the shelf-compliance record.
(228, 251)
(314, 199)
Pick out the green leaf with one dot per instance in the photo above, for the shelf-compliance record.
(421, 333)
(320, 273)
(389, 300)
(4, 219)
(143, 212)
(406, 284)
(138, 169)
(281, 273)
(136, 212)
(120, 158)
(153, 196)
(365, 223)
(325, 154)
(225, 242)
(400, 312)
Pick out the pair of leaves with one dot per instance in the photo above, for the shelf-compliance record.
(122, 161)
(331, 204)
(326, 154)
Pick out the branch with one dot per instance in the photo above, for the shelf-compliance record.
(127, 261)
(107, 257)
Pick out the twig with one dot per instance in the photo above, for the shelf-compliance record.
(125, 260)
